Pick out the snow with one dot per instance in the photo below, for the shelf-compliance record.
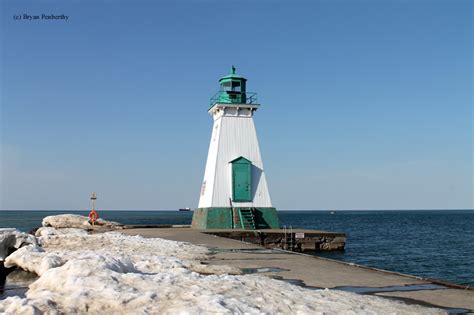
(47, 231)
(117, 274)
(33, 259)
(12, 239)
(75, 221)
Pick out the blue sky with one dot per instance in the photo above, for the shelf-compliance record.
(365, 104)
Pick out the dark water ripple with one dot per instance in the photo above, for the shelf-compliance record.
(436, 244)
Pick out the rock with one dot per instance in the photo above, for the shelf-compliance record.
(332, 246)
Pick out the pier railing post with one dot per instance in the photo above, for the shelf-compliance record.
(291, 238)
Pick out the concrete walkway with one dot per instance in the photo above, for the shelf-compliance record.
(317, 272)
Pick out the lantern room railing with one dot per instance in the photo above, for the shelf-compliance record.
(231, 97)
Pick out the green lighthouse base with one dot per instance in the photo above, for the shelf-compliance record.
(235, 218)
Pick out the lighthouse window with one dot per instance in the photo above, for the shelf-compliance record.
(226, 86)
(236, 86)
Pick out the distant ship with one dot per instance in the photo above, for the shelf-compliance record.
(185, 209)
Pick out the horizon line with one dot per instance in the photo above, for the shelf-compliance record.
(177, 210)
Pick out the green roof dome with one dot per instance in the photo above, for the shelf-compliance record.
(232, 77)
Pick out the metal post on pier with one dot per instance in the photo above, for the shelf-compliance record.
(93, 215)
(291, 238)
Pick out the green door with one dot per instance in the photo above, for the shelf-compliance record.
(241, 180)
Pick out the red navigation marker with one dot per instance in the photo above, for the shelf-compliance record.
(93, 216)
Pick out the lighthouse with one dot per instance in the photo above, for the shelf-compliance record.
(234, 192)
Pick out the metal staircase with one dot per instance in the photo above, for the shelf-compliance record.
(247, 220)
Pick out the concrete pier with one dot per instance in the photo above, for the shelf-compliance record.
(315, 272)
(299, 240)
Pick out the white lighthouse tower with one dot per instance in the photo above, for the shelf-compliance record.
(234, 192)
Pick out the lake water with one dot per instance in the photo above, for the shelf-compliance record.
(429, 243)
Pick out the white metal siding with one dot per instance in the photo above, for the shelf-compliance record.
(207, 187)
(236, 136)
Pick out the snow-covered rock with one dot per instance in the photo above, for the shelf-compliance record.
(111, 273)
(12, 239)
(33, 258)
(48, 231)
(75, 221)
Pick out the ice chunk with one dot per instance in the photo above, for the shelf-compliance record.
(34, 259)
(48, 231)
(75, 221)
(12, 239)
(17, 305)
